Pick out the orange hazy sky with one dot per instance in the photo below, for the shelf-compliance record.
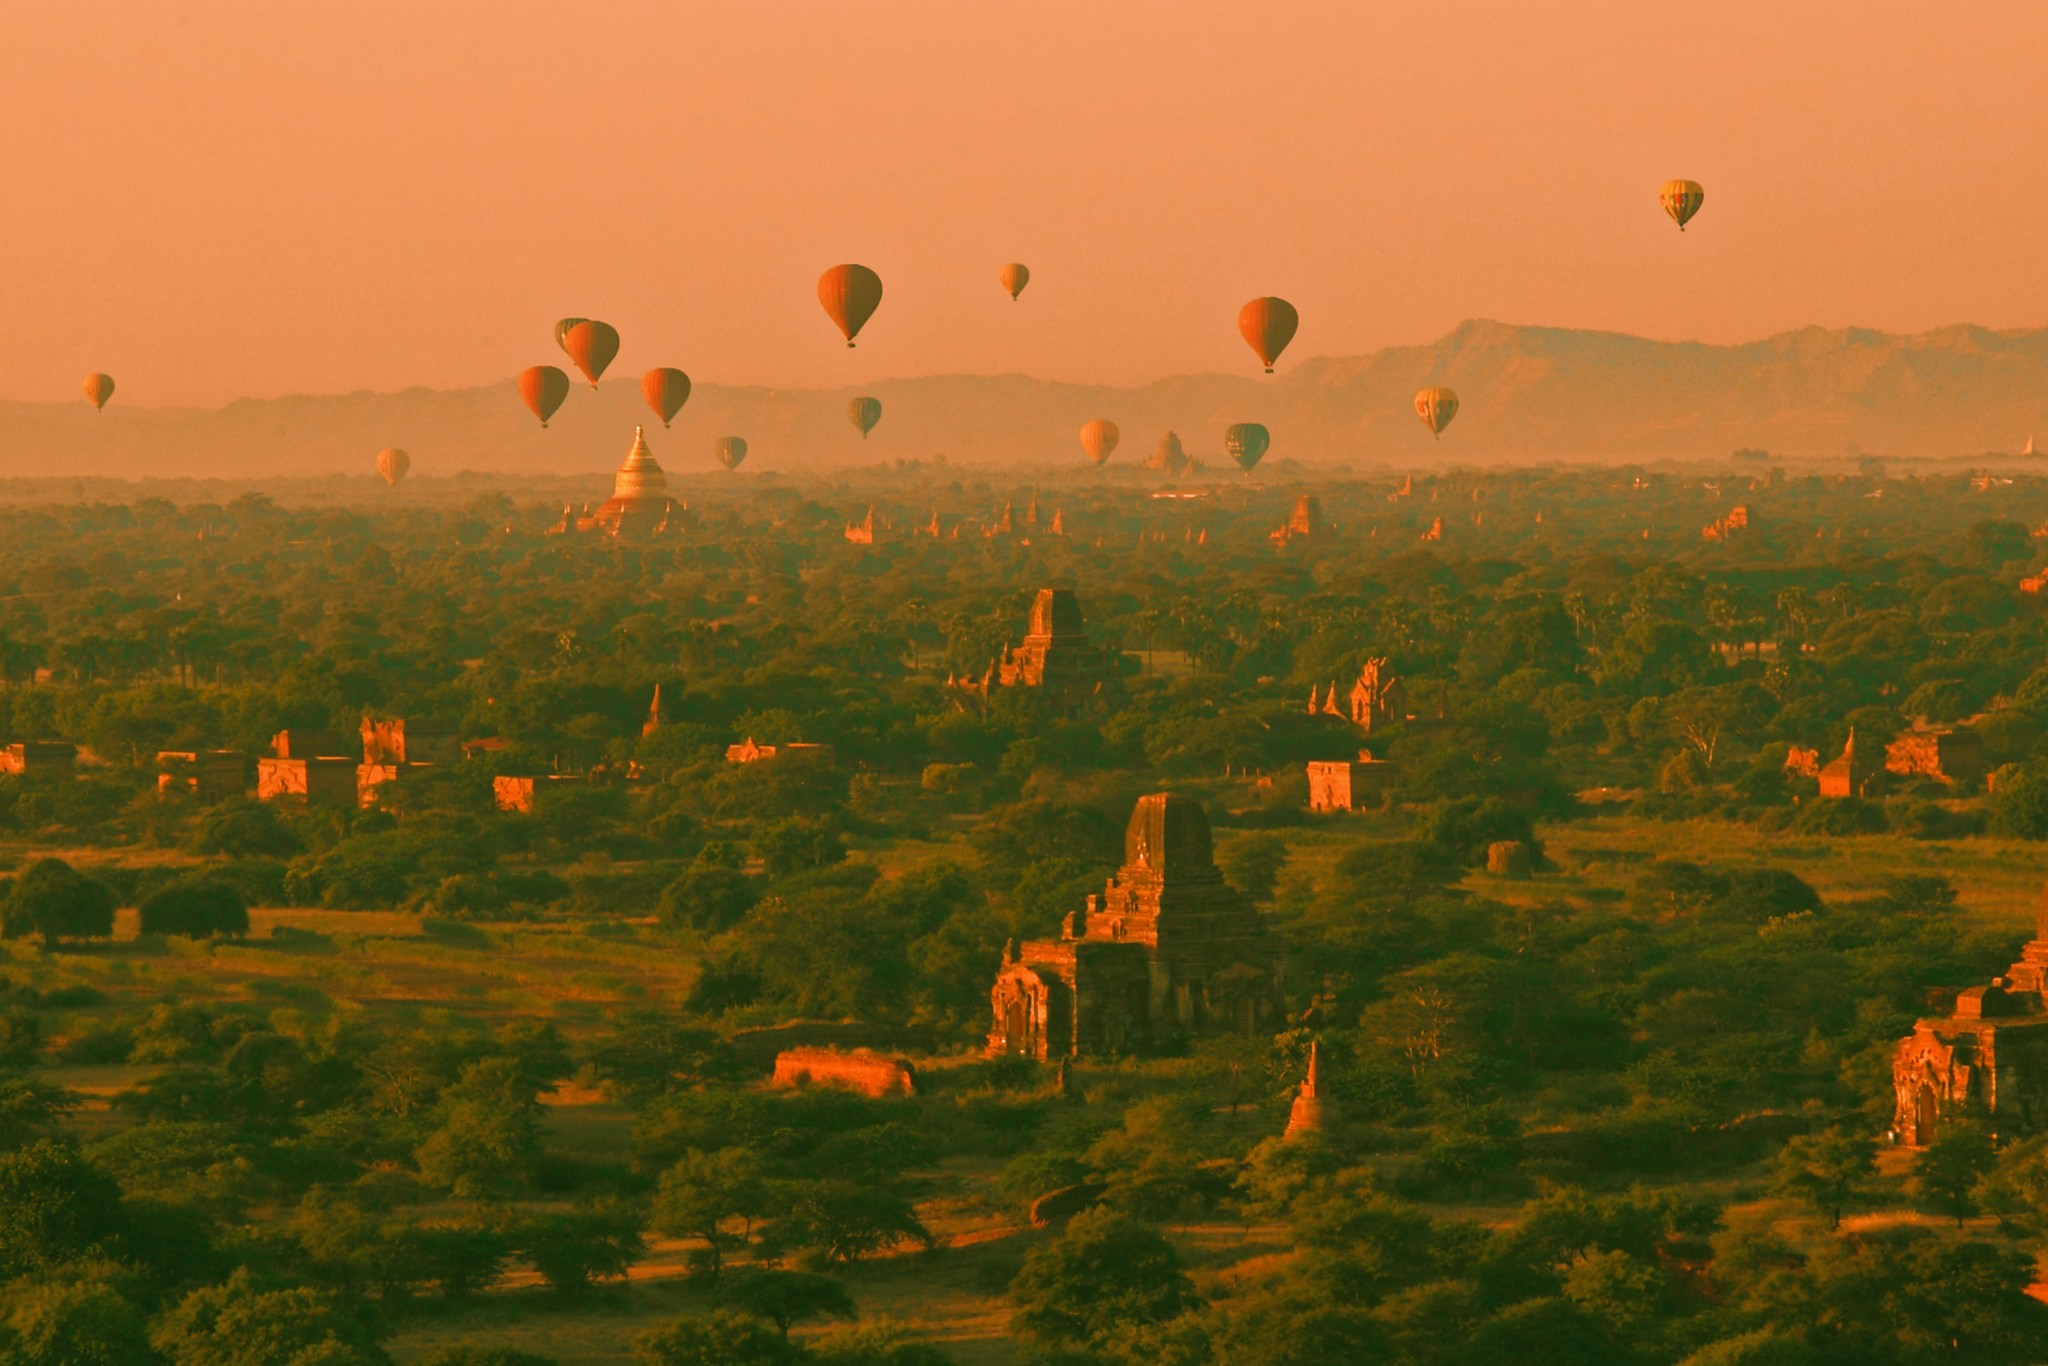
(217, 199)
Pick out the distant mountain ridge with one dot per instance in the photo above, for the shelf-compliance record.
(1526, 394)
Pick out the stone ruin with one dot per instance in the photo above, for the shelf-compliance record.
(1168, 947)
(40, 759)
(206, 775)
(875, 1075)
(1987, 1058)
(1952, 757)
(795, 751)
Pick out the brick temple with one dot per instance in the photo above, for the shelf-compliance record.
(1167, 948)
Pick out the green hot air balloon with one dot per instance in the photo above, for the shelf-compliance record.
(1247, 443)
(731, 450)
(864, 413)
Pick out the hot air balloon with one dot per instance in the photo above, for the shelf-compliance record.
(731, 450)
(1099, 438)
(666, 391)
(864, 413)
(562, 327)
(392, 463)
(98, 389)
(850, 294)
(1682, 199)
(1436, 408)
(592, 345)
(543, 387)
(1247, 443)
(1015, 276)
(1268, 325)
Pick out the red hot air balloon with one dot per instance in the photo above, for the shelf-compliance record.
(1015, 275)
(666, 391)
(850, 295)
(1268, 325)
(392, 464)
(592, 345)
(543, 387)
(730, 450)
(98, 389)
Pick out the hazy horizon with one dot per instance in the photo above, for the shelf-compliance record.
(245, 202)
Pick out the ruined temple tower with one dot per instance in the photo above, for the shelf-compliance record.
(1168, 948)
(1056, 653)
(1310, 1115)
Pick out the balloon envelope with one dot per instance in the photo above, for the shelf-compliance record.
(1268, 325)
(562, 327)
(98, 389)
(864, 413)
(592, 345)
(1247, 443)
(1436, 408)
(392, 463)
(850, 295)
(1682, 199)
(666, 391)
(1099, 438)
(543, 387)
(731, 450)
(1015, 276)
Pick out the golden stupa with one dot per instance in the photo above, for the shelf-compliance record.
(640, 503)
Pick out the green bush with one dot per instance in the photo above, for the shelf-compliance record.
(196, 908)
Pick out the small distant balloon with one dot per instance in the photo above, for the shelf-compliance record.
(731, 450)
(393, 463)
(592, 345)
(666, 391)
(562, 327)
(1015, 275)
(1682, 199)
(864, 413)
(98, 389)
(850, 294)
(1268, 325)
(1099, 438)
(1436, 408)
(1247, 443)
(544, 388)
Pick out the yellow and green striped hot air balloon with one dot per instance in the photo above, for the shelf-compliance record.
(1682, 199)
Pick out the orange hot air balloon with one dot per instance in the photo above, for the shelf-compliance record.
(1099, 438)
(851, 294)
(562, 327)
(731, 450)
(666, 391)
(1436, 408)
(864, 413)
(392, 463)
(1682, 199)
(544, 388)
(1015, 276)
(98, 389)
(1268, 325)
(592, 345)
